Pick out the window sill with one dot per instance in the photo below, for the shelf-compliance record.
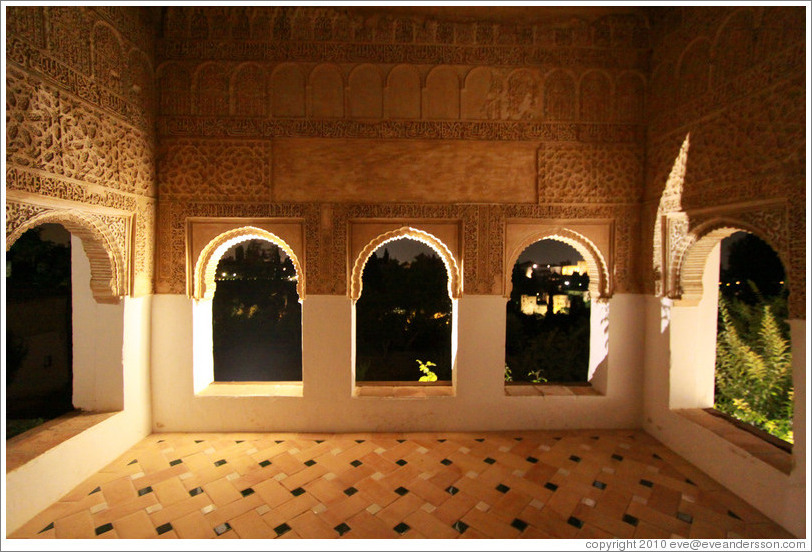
(24, 447)
(403, 389)
(253, 389)
(521, 389)
(754, 441)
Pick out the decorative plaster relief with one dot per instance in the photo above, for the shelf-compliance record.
(513, 131)
(205, 251)
(49, 131)
(587, 173)
(173, 268)
(221, 170)
(105, 239)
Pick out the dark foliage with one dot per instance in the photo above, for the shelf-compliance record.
(404, 314)
(552, 348)
(257, 318)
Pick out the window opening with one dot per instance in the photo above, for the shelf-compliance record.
(548, 316)
(256, 315)
(753, 377)
(39, 342)
(404, 316)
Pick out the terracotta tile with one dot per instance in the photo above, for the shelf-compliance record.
(549, 522)
(376, 493)
(310, 526)
(701, 529)
(179, 509)
(273, 493)
(647, 530)
(304, 476)
(364, 525)
(429, 525)
(135, 526)
(221, 492)
(614, 526)
(193, 526)
(251, 526)
(326, 491)
(670, 524)
(340, 511)
(125, 509)
(231, 510)
(170, 491)
(455, 508)
(118, 491)
(75, 526)
(490, 525)
(397, 511)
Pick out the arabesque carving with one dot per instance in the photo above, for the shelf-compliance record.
(52, 133)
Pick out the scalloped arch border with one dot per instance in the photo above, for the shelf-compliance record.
(599, 287)
(108, 268)
(204, 284)
(452, 268)
(689, 262)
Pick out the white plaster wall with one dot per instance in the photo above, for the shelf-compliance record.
(44, 480)
(328, 406)
(693, 342)
(779, 496)
(98, 336)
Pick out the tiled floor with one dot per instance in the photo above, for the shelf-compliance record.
(551, 484)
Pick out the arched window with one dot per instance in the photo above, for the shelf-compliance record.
(753, 376)
(248, 285)
(39, 336)
(256, 315)
(729, 342)
(404, 316)
(548, 316)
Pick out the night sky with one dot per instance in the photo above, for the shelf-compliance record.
(405, 249)
(550, 252)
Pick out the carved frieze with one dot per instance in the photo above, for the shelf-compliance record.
(232, 127)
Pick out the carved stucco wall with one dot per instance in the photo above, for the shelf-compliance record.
(732, 82)
(328, 116)
(80, 144)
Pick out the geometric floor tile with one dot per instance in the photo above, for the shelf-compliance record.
(531, 484)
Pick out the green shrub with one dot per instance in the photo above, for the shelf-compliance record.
(754, 365)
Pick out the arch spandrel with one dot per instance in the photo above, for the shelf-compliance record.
(452, 267)
(204, 284)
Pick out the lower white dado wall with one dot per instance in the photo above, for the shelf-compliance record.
(327, 404)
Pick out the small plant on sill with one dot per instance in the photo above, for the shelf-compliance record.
(508, 374)
(428, 375)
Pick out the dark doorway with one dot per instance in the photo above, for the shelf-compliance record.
(39, 341)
